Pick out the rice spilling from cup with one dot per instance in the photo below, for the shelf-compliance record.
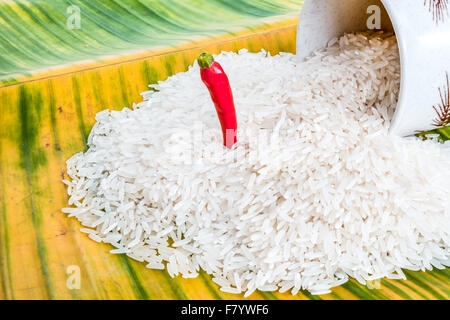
(314, 192)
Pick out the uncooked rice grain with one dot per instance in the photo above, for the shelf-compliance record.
(315, 191)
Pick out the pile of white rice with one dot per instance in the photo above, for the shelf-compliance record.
(315, 191)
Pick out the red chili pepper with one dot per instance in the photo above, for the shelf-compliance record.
(219, 88)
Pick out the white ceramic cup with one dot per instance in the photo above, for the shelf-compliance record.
(422, 28)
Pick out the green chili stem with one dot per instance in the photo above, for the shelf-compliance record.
(205, 60)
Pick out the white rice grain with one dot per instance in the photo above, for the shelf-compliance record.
(315, 191)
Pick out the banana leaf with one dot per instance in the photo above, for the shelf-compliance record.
(53, 82)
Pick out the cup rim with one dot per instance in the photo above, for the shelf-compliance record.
(399, 109)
